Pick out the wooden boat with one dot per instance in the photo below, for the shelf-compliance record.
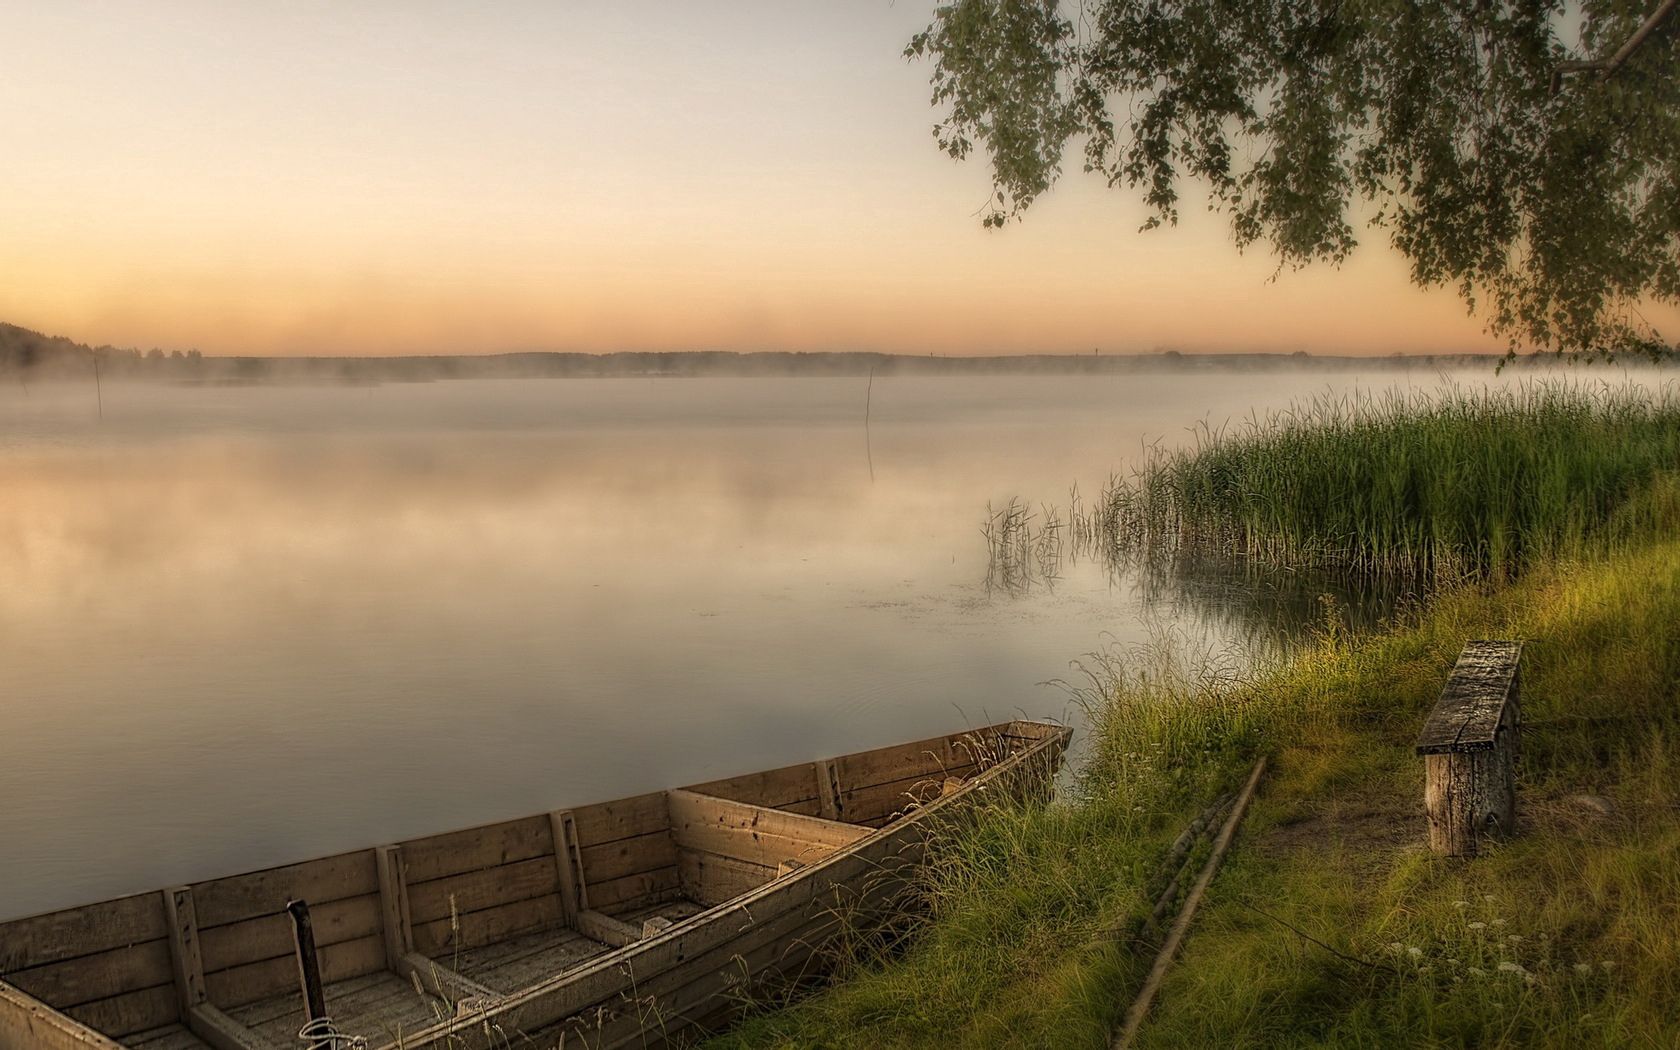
(632, 922)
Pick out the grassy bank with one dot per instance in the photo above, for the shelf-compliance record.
(1331, 924)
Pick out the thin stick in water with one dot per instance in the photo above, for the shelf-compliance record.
(868, 449)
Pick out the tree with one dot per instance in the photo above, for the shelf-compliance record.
(1499, 157)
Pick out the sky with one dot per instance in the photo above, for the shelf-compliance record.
(430, 177)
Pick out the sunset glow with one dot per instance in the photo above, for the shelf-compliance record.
(387, 178)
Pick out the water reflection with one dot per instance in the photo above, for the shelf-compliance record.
(243, 626)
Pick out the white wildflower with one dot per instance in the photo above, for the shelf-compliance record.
(1478, 926)
(1511, 967)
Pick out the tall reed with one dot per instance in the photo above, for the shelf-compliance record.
(1439, 486)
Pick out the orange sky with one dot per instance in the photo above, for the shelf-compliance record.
(439, 177)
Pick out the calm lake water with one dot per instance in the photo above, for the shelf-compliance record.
(245, 626)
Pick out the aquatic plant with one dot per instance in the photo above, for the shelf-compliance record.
(1436, 486)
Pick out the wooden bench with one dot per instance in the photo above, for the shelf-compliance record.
(1470, 747)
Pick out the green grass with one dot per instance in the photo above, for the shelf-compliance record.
(1331, 924)
(1441, 486)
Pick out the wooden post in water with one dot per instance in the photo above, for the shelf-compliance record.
(1469, 747)
(309, 968)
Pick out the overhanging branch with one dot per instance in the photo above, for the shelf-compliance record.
(1606, 67)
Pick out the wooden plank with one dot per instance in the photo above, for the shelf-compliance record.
(525, 959)
(222, 1032)
(26, 1023)
(606, 861)
(778, 788)
(620, 819)
(568, 864)
(260, 893)
(754, 834)
(185, 960)
(611, 897)
(691, 810)
(396, 923)
(270, 937)
(870, 805)
(934, 757)
(477, 890)
(440, 980)
(606, 929)
(829, 805)
(86, 930)
(470, 849)
(713, 879)
(1467, 715)
(130, 1012)
(250, 983)
(169, 1037)
(440, 938)
(92, 977)
(664, 1011)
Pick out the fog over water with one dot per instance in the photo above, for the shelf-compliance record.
(243, 626)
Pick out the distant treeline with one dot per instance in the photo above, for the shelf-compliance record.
(27, 356)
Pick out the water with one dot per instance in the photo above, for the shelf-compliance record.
(246, 626)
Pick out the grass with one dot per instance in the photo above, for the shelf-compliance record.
(1331, 924)
(1442, 486)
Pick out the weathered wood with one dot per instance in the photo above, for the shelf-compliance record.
(222, 1032)
(175, 1036)
(441, 981)
(633, 890)
(26, 1023)
(87, 930)
(875, 868)
(477, 890)
(121, 1015)
(396, 923)
(712, 879)
(568, 865)
(242, 985)
(606, 929)
(606, 861)
(270, 936)
(1468, 714)
(184, 954)
(620, 819)
(790, 788)
(261, 893)
(829, 804)
(470, 849)
(1470, 746)
(754, 834)
(442, 937)
(656, 925)
(90, 978)
(309, 967)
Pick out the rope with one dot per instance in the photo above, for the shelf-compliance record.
(322, 1034)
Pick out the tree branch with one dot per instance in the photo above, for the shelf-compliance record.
(1608, 66)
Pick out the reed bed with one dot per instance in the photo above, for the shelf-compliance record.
(1440, 487)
